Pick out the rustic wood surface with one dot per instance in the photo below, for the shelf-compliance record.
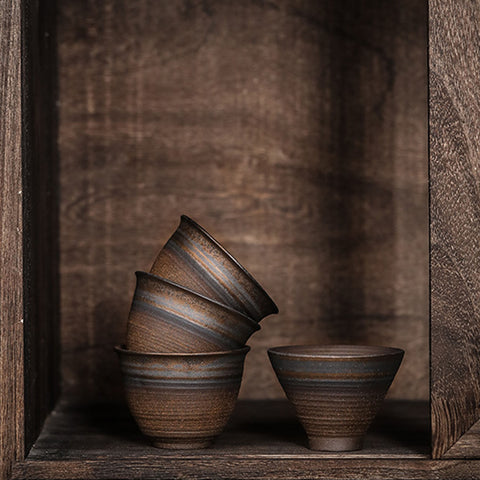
(467, 446)
(293, 131)
(455, 219)
(40, 210)
(263, 440)
(233, 468)
(11, 238)
(257, 427)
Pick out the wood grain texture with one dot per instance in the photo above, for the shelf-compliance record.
(11, 237)
(233, 468)
(40, 217)
(455, 219)
(263, 440)
(467, 446)
(293, 131)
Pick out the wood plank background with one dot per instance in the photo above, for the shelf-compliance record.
(293, 130)
(11, 237)
(455, 219)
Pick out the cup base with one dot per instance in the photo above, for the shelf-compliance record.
(181, 445)
(335, 444)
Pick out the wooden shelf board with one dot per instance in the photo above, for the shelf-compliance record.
(262, 440)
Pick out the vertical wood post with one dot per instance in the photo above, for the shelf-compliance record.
(11, 237)
(454, 218)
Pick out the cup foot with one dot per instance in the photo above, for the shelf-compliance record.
(186, 445)
(335, 444)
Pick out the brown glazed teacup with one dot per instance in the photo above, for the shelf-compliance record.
(181, 400)
(166, 317)
(336, 389)
(194, 259)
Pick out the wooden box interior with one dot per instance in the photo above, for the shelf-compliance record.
(295, 132)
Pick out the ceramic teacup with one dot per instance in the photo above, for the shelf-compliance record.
(336, 389)
(181, 400)
(166, 317)
(194, 259)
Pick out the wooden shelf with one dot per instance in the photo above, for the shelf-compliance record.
(262, 440)
(331, 146)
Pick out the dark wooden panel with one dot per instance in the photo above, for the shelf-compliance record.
(11, 237)
(40, 210)
(294, 131)
(455, 219)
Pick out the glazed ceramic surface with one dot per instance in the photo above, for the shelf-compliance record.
(181, 400)
(193, 258)
(166, 317)
(336, 390)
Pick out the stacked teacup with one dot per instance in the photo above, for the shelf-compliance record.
(190, 319)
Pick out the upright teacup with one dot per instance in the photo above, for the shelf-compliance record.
(336, 389)
(181, 400)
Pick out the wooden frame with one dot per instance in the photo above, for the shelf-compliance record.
(29, 268)
(11, 238)
(454, 215)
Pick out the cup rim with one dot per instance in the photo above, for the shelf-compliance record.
(255, 325)
(335, 352)
(233, 259)
(122, 349)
